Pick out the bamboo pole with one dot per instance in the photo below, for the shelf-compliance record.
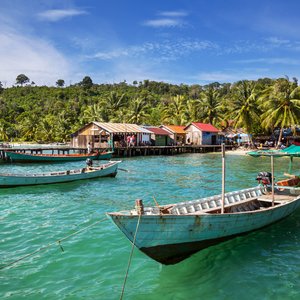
(223, 178)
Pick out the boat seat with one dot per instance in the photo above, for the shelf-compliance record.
(213, 203)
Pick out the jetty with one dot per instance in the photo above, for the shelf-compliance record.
(119, 152)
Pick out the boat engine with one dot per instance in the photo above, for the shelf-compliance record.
(89, 162)
(264, 178)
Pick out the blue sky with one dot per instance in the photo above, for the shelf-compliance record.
(175, 41)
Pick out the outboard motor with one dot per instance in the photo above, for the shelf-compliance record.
(89, 162)
(264, 177)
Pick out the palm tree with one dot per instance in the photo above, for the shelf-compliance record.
(92, 113)
(137, 111)
(209, 105)
(243, 108)
(174, 110)
(3, 132)
(114, 101)
(281, 106)
(27, 126)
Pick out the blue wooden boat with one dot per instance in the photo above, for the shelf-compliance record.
(109, 169)
(29, 157)
(172, 233)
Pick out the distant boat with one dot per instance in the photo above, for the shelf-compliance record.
(29, 157)
(105, 170)
(172, 233)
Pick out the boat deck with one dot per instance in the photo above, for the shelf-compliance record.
(277, 198)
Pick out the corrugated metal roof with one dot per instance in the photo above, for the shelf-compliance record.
(175, 128)
(158, 131)
(122, 128)
(205, 127)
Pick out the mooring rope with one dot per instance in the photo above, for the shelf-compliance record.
(130, 257)
(51, 244)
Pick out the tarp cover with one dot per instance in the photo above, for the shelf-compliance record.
(292, 150)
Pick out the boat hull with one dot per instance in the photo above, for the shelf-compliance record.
(170, 239)
(26, 157)
(10, 180)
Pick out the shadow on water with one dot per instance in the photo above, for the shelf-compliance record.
(237, 263)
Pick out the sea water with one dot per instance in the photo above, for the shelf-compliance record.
(92, 264)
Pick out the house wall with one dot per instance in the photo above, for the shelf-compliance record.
(197, 137)
(206, 138)
(145, 137)
(161, 140)
(193, 135)
(99, 138)
(89, 134)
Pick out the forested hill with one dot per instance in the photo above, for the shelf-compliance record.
(51, 114)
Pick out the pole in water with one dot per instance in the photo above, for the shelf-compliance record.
(223, 178)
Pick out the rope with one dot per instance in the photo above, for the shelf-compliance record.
(51, 244)
(130, 257)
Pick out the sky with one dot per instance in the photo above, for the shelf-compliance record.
(173, 41)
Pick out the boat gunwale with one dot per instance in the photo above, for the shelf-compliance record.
(210, 211)
(61, 173)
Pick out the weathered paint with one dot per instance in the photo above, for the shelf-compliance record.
(10, 180)
(26, 157)
(172, 238)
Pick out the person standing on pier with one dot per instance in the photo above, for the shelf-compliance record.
(89, 148)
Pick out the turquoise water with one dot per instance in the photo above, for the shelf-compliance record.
(262, 265)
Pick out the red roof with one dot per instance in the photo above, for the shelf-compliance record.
(205, 127)
(158, 131)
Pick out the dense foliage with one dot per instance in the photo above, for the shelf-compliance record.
(51, 114)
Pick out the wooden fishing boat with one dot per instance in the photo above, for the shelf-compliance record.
(29, 157)
(171, 233)
(109, 169)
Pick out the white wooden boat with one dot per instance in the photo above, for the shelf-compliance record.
(171, 233)
(104, 170)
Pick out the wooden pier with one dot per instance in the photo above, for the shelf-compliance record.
(121, 151)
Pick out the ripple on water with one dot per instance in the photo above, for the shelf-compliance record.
(262, 265)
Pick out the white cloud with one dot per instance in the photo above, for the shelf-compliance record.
(164, 22)
(175, 14)
(34, 57)
(59, 14)
(159, 51)
(277, 42)
(271, 61)
(230, 75)
(170, 19)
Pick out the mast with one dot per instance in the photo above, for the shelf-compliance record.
(223, 177)
(272, 172)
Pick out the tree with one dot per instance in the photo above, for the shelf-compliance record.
(209, 105)
(243, 107)
(1, 87)
(174, 110)
(92, 113)
(281, 103)
(3, 131)
(137, 111)
(22, 79)
(86, 82)
(60, 83)
(113, 103)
